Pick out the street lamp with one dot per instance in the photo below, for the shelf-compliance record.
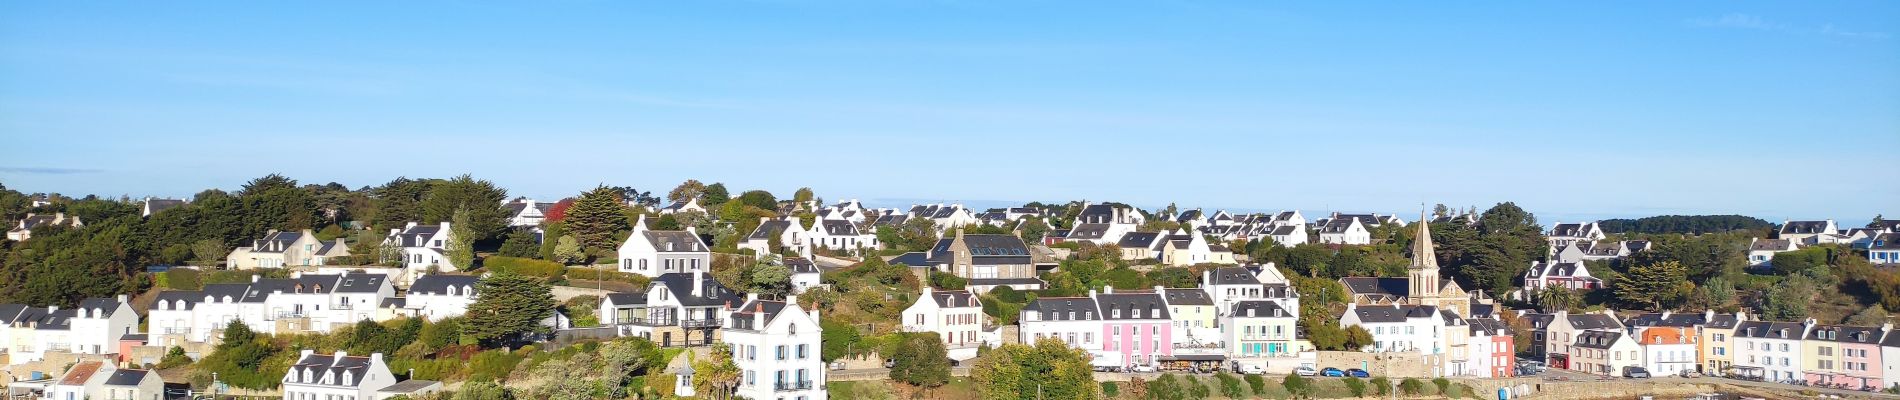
(214, 385)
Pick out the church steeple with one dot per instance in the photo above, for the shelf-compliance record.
(1424, 270)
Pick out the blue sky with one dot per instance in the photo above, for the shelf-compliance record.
(1573, 110)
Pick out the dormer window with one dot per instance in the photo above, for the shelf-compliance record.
(346, 378)
(306, 376)
(451, 290)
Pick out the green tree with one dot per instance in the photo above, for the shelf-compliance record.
(481, 199)
(595, 218)
(509, 308)
(1657, 285)
(520, 243)
(1357, 337)
(1230, 387)
(1789, 300)
(398, 202)
(1166, 387)
(1495, 251)
(921, 360)
(716, 376)
(461, 246)
(714, 195)
(759, 198)
(1049, 369)
(1870, 316)
(1174, 277)
(771, 279)
(1355, 385)
(1033, 230)
(690, 189)
(209, 252)
(1258, 384)
(802, 196)
(1412, 387)
(1298, 387)
(1798, 261)
(1558, 298)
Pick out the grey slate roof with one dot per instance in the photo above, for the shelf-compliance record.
(1261, 308)
(319, 364)
(1188, 297)
(126, 377)
(770, 309)
(408, 386)
(360, 283)
(1369, 285)
(1594, 321)
(1487, 327)
(1845, 334)
(276, 242)
(800, 265)
(1805, 227)
(1769, 245)
(417, 236)
(768, 228)
(1598, 339)
(439, 284)
(1886, 241)
(1394, 313)
(1568, 230)
(103, 304)
(1234, 276)
(1060, 308)
(1769, 330)
(1088, 231)
(712, 293)
(954, 298)
(838, 227)
(1137, 239)
(681, 241)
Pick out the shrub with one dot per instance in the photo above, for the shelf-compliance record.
(1444, 387)
(1110, 389)
(525, 266)
(945, 280)
(1356, 386)
(1230, 386)
(1297, 386)
(1411, 387)
(174, 359)
(1258, 384)
(1379, 385)
(183, 279)
(492, 364)
(1008, 294)
(1195, 389)
(637, 280)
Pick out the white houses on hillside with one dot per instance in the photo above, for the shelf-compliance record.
(790, 232)
(1562, 234)
(1344, 231)
(776, 345)
(285, 249)
(956, 316)
(1104, 223)
(653, 253)
(336, 376)
(424, 247)
(94, 327)
(441, 296)
(299, 304)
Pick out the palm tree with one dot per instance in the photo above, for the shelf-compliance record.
(716, 376)
(1557, 298)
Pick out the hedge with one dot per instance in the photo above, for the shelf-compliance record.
(524, 266)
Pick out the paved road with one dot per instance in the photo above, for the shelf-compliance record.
(1574, 376)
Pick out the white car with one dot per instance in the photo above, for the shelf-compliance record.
(1253, 369)
(1305, 370)
(1143, 368)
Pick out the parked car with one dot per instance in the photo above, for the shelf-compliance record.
(1635, 372)
(837, 365)
(1690, 373)
(1252, 369)
(1332, 372)
(1143, 368)
(1107, 368)
(1305, 370)
(1358, 373)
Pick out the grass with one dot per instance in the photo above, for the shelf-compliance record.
(957, 389)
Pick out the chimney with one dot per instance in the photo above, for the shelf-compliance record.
(1161, 290)
(340, 354)
(121, 299)
(295, 274)
(927, 291)
(376, 358)
(640, 224)
(791, 299)
(751, 297)
(959, 234)
(1207, 277)
(693, 230)
(699, 283)
(1091, 293)
(1665, 314)
(1708, 315)
(51, 308)
(305, 353)
(411, 224)
(1108, 290)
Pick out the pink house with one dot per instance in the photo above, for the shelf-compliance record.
(1136, 326)
(1843, 356)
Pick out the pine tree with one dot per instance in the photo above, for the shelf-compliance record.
(461, 246)
(509, 307)
(595, 217)
(1654, 284)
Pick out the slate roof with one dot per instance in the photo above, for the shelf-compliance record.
(439, 284)
(319, 364)
(1234, 276)
(1886, 241)
(1188, 297)
(681, 241)
(954, 298)
(1088, 231)
(985, 249)
(1845, 334)
(1594, 321)
(712, 294)
(1570, 230)
(1541, 269)
(1393, 313)
(1487, 327)
(126, 377)
(1680, 320)
(1385, 286)
(1768, 245)
(1598, 339)
(1284, 230)
(1479, 310)
(1893, 339)
(11, 312)
(275, 242)
(1260, 308)
(800, 265)
(408, 386)
(769, 227)
(914, 259)
(626, 299)
(1722, 321)
(1135, 240)
(769, 309)
(394, 302)
(417, 236)
(1060, 308)
(104, 304)
(836, 227)
(360, 283)
(1337, 225)
(1805, 227)
(1769, 330)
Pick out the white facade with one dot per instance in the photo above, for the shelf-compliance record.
(1773, 347)
(652, 253)
(94, 327)
(776, 346)
(840, 235)
(424, 247)
(1345, 231)
(336, 377)
(436, 297)
(1415, 329)
(1669, 359)
(302, 303)
(956, 316)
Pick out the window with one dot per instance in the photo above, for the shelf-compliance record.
(1088, 337)
(781, 352)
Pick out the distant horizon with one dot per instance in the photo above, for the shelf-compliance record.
(1544, 217)
(1578, 110)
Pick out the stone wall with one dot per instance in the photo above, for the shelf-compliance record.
(1396, 365)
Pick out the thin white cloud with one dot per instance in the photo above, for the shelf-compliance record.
(1737, 21)
(1830, 30)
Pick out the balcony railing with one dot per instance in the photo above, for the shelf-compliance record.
(700, 323)
(650, 321)
(177, 331)
(791, 386)
(341, 306)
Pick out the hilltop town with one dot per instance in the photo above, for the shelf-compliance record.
(453, 289)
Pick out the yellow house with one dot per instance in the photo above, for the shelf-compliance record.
(1195, 317)
(1718, 341)
(1193, 250)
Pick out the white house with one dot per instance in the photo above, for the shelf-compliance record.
(840, 235)
(1072, 320)
(1606, 353)
(1884, 249)
(441, 296)
(337, 376)
(424, 248)
(945, 216)
(1669, 350)
(1573, 275)
(956, 316)
(691, 204)
(1288, 235)
(1761, 252)
(675, 309)
(653, 253)
(1104, 223)
(525, 212)
(776, 345)
(1230, 285)
(1890, 359)
(1397, 328)
(1562, 234)
(94, 327)
(805, 274)
(154, 205)
(1770, 350)
(277, 250)
(299, 304)
(23, 229)
(1805, 232)
(790, 231)
(1344, 231)
(1262, 333)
